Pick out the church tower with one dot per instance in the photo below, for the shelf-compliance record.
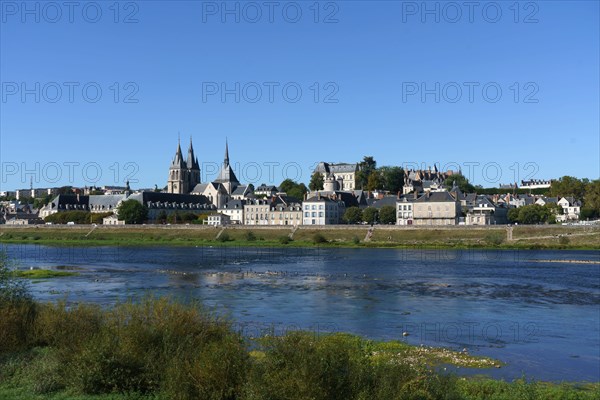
(226, 176)
(178, 174)
(184, 175)
(193, 168)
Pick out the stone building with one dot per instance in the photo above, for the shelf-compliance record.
(184, 175)
(225, 187)
(343, 174)
(428, 180)
(256, 212)
(431, 208)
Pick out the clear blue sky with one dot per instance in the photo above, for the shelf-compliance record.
(375, 58)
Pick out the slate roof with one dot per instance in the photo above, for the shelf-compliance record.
(336, 168)
(386, 201)
(435, 197)
(233, 205)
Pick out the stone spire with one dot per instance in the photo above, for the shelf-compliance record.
(192, 161)
(178, 160)
(226, 161)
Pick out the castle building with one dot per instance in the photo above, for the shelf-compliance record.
(343, 174)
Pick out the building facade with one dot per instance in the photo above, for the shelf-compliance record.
(344, 174)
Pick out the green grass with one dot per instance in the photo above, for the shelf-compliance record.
(41, 274)
(162, 349)
(526, 237)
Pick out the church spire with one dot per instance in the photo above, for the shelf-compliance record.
(178, 160)
(192, 161)
(226, 161)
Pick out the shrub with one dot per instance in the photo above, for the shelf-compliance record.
(284, 239)
(319, 238)
(250, 236)
(355, 240)
(224, 237)
(563, 240)
(17, 309)
(494, 238)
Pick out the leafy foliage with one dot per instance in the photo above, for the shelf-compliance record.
(370, 215)
(79, 217)
(132, 212)
(568, 186)
(319, 238)
(316, 182)
(12, 289)
(366, 167)
(387, 215)
(293, 189)
(392, 179)
(461, 182)
(353, 215)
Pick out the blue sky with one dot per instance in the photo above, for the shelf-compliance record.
(371, 62)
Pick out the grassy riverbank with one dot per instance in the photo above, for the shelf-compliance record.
(159, 349)
(523, 237)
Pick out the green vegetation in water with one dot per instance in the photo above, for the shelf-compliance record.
(41, 274)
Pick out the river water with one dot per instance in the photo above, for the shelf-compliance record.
(542, 318)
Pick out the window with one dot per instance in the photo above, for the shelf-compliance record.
(314, 207)
(320, 206)
(320, 213)
(306, 214)
(314, 214)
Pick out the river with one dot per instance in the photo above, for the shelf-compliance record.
(542, 318)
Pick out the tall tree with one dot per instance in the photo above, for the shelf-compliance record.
(568, 186)
(366, 168)
(132, 212)
(375, 182)
(353, 215)
(316, 182)
(370, 215)
(591, 200)
(393, 178)
(293, 189)
(461, 181)
(387, 215)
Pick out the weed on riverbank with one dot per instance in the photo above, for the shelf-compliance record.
(162, 349)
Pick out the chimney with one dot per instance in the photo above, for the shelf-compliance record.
(416, 194)
(398, 195)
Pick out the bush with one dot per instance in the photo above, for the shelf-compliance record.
(224, 237)
(284, 239)
(494, 238)
(319, 238)
(250, 236)
(563, 240)
(17, 309)
(355, 240)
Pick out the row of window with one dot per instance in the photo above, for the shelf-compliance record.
(266, 216)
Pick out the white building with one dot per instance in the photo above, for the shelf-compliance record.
(322, 210)
(234, 209)
(218, 219)
(404, 211)
(571, 209)
(535, 184)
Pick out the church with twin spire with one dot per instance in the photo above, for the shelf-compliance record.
(184, 178)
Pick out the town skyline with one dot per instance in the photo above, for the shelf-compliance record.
(375, 79)
(256, 172)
